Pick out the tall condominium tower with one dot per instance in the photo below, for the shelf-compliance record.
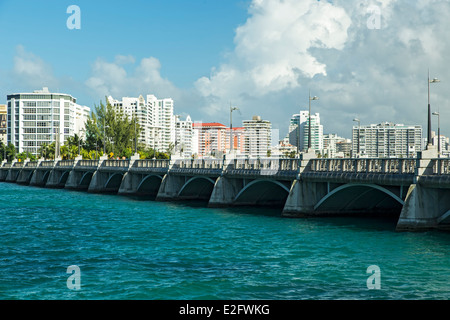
(210, 139)
(386, 140)
(184, 134)
(299, 131)
(42, 117)
(258, 136)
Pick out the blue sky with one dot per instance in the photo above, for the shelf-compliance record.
(201, 30)
(261, 55)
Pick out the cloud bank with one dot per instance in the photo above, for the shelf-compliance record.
(286, 48)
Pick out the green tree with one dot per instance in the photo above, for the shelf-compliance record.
(47, 151)
(111, 129)
(25, 155)
(2, 150)
(10, 152)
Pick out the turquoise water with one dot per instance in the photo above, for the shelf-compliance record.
(134, 249)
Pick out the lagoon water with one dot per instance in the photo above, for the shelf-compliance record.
(141, 249)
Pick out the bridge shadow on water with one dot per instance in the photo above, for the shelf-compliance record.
(365, 220)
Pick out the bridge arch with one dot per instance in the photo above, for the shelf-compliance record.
(63, 179)
(113, 182)
(262, 192)
(199, 187)
(45, 177)
(86, 179)
(354, 197)
(150, 184)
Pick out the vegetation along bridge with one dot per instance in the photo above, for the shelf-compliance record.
(416, 191)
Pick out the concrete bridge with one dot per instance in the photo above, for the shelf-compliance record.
(416, 191)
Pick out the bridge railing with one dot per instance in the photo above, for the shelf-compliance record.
(47, 163)
(151, 163)
(363, 165)
(116, 163)
(87, 163)
(65, 163)
(441, 166)
(31, 164)
(18, 164)
(198, 164)
(265, 163)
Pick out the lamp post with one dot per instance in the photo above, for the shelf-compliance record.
(309, 125)
(359, 129)
(439, 132)
(231, 127)
(435, 80)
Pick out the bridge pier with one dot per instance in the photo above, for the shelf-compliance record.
(79, 179)
(25, 176)
(109, 175)
(423, 207)
(303, 197)
(40, 177)
(144, 177)
(60, 173)
(224, 192)
(178, 187)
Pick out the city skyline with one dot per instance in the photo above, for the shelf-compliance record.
(368, 61)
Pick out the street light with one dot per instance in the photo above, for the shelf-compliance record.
(435, 80)
(231, 127)
(359, 129)
(439, 131)
(309, 126)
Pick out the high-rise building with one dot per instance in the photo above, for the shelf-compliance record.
(387, 140)
(344, 148)
(43, 117)
(184, 134)
(210, 139)
(316, 133)
(258, 137)
(299, 131)
(238, 140)
(155, 118)
(330, 144)
(442, 140)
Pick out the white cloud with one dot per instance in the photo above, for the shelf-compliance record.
(287, 47)
(112, 78)
(272, 50)
(30, 70)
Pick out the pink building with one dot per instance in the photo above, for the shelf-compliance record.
(213, 137)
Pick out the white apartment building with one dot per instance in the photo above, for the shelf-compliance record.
(258, 136)
(299, 131)
(184, 134)
(387, 140)
(441, 142)
(330, 144)
(154, 116)
(43, 117)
